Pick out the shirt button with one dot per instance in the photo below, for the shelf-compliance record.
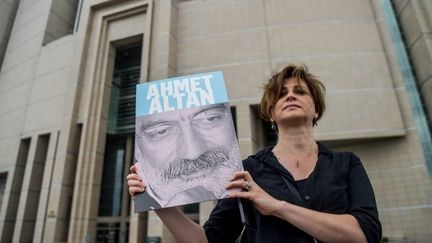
(307, 197)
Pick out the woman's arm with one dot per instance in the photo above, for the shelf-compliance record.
(322, 226)
(181, 227)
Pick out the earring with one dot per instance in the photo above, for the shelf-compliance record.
(273, 127)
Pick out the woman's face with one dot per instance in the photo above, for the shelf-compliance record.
(295, 105)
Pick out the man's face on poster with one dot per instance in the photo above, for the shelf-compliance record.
(187, 149)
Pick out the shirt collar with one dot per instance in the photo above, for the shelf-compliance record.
(322, 149)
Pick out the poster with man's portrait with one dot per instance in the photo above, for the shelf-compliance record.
(186, 148)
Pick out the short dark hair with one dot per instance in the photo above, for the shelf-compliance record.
(273, 88)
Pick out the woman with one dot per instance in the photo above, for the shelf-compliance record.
(296, 191)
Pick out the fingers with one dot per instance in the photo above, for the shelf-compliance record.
(133, 177)
(242, 175)
(241, 184)
(248, 185)
(241, 194)
(134, 182)
(133, 169)
(135, 187)
(238, 175)
(135, 190)
(244, 178)
(241, 180)
(236, 184)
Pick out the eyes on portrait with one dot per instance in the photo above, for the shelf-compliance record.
(204, 122)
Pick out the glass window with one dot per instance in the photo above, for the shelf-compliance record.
(60, 20)
(114, 203)
(126, 77)
(108, 232)
(112, 177)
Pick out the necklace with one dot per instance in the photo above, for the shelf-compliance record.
(297, 161)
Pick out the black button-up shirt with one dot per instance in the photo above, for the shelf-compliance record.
(338, 185)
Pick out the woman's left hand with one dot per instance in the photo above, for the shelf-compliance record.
(263, 202)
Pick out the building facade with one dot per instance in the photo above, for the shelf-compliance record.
(67, 84)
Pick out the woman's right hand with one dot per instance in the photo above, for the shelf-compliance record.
(135, 184)
(182, 227)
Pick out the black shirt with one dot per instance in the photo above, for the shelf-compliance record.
(338, 185)
(301, 187)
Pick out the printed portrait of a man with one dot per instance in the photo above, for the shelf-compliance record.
(186, 156)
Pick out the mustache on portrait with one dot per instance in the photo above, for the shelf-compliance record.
(186, 167)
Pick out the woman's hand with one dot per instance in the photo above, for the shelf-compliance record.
(134, 182)
(263, 202)
(323, 226)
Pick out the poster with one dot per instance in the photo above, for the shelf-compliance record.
(186, 148)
